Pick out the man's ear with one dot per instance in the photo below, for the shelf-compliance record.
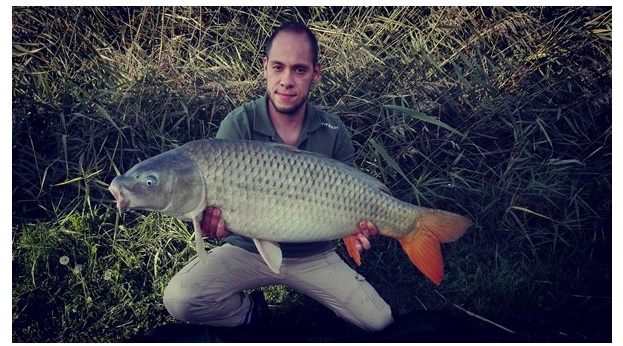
(265, 66)
(317, 73)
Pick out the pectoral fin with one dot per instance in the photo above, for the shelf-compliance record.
(270, 252)
(199, 244)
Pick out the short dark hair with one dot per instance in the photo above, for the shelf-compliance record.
(295, 27)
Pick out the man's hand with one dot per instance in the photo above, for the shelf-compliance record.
(360, 240)
(365, 232)
(212, 224)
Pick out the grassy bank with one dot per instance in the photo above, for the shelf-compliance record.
(500, 114)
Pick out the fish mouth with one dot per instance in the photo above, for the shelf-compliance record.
(122, 201)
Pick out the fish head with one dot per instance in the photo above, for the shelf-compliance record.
(170, 183)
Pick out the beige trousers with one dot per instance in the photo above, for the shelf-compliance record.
(213, 294)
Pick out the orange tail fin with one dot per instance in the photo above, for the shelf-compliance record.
(422, 244)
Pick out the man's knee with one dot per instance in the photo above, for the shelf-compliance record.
(367, 309)
(381, 321)
(180, 299)
(178, 309)
(176, 300)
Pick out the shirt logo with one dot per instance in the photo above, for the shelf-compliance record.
(332, 127)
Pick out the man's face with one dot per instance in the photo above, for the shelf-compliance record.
(290, 72)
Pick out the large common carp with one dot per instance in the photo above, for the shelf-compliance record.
(275, 193)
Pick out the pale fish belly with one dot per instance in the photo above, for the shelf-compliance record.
(279, 194)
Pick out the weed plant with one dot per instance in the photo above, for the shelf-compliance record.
(501, 114)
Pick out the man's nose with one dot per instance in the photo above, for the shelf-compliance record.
(286, 78)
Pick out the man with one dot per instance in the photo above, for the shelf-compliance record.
(213, 295)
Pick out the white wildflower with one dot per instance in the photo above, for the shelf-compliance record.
(64, 260)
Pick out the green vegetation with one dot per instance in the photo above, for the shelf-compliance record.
(501, 114)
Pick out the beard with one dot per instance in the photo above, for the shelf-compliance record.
(291, 110)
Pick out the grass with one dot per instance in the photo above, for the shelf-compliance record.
(501, 114)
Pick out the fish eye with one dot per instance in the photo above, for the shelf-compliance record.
(150, 181)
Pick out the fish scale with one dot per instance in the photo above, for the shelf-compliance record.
(275, 193)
